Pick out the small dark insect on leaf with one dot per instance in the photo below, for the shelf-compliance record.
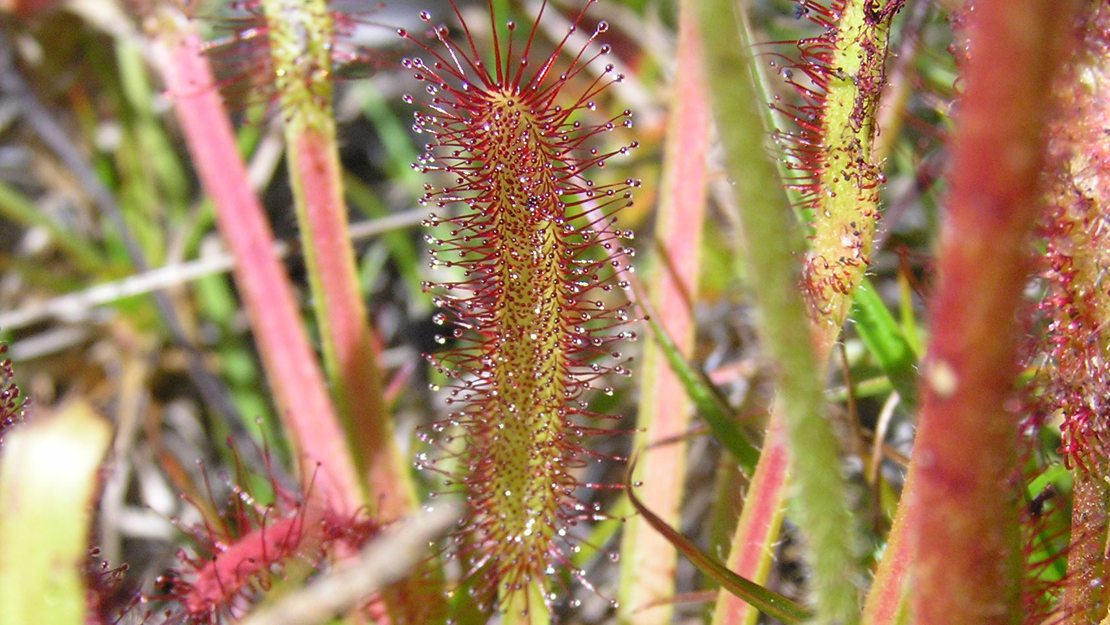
(1037, 504)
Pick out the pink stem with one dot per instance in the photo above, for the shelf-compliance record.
(665, 411)
(758, 528)
(300, 393)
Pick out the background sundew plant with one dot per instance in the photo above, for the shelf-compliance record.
(321, 312)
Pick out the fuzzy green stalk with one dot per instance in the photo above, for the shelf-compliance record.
(300, 37)
(967, 566)
(844, 202)
(819, 485)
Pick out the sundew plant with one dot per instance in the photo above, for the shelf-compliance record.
(538, 256)
(554, 311)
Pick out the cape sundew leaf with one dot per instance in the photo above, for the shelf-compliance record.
(535, 306)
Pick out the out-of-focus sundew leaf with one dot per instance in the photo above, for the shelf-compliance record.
(48, 478)
(664, 410)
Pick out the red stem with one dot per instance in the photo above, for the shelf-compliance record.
(967, 562)
(302, 400)
(348, 332)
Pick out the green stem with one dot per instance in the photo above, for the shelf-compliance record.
(820, 489)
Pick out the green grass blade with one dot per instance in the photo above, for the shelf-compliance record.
(885, 340)
(708, 401)
(767, 601)
(19, 208)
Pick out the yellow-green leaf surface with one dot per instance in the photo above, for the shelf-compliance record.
(47, 483)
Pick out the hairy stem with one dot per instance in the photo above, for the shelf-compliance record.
(821, 495)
